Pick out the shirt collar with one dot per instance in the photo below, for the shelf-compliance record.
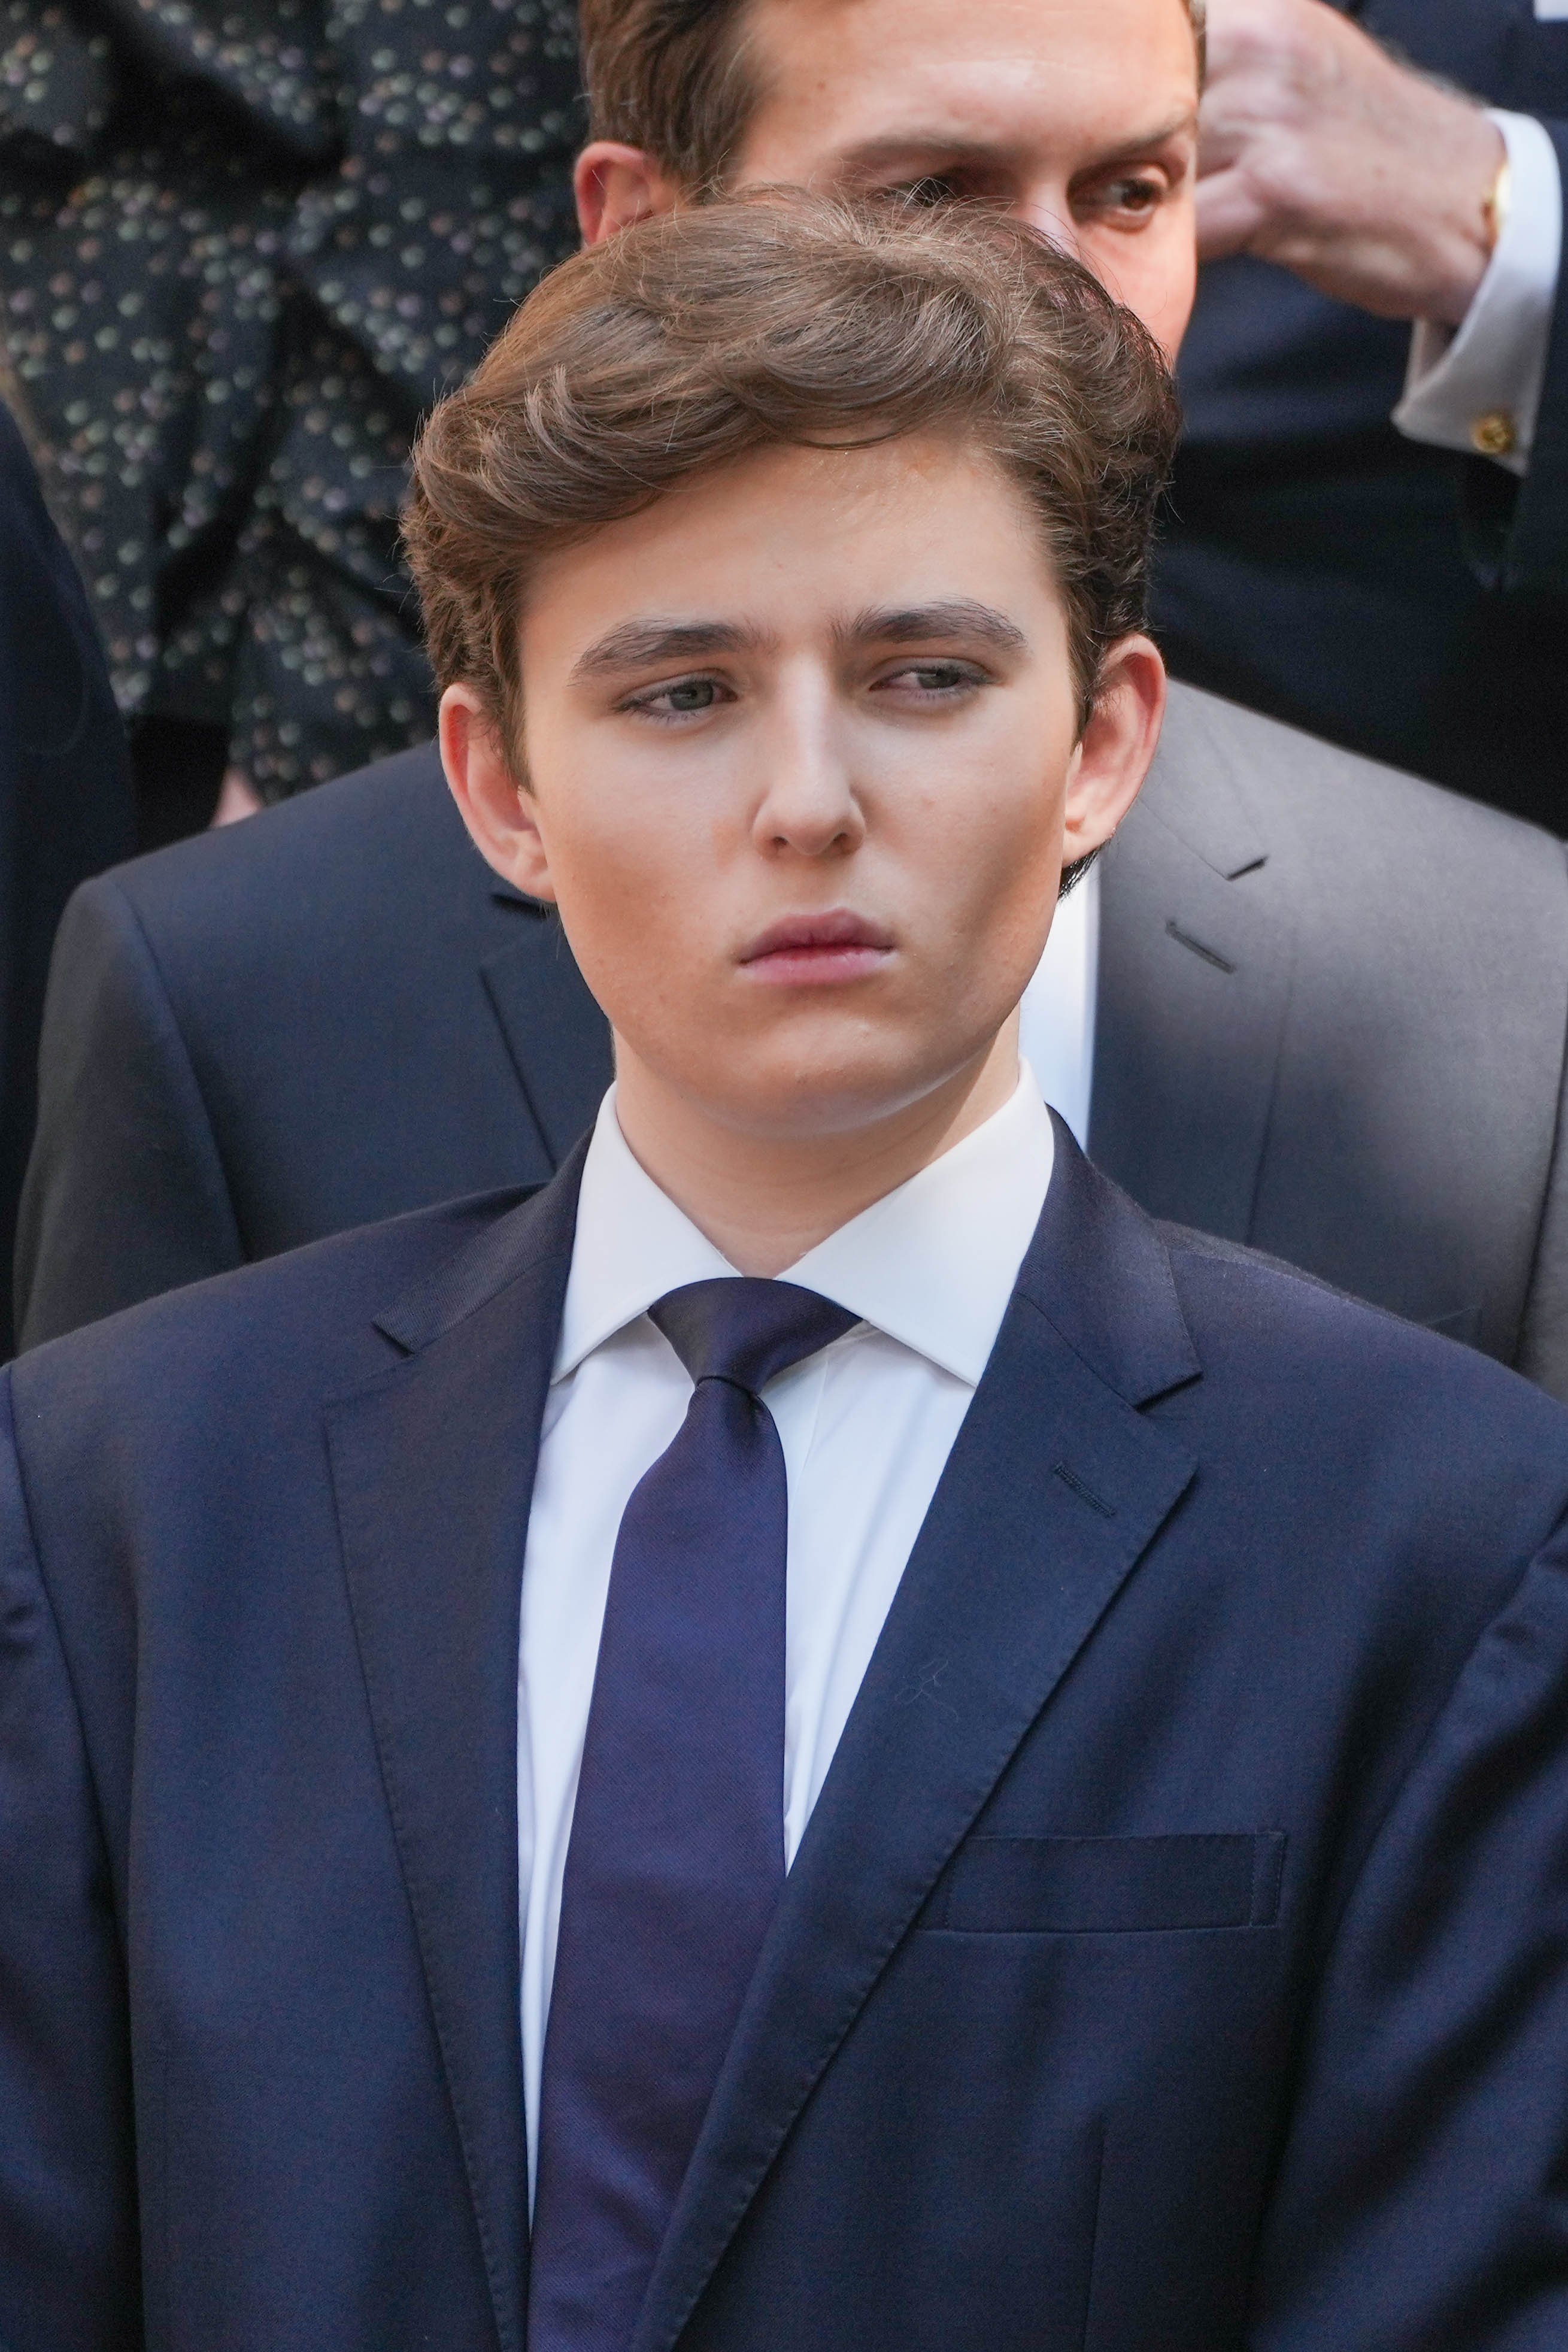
(932, 1264)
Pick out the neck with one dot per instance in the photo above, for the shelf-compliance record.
(765, 1200)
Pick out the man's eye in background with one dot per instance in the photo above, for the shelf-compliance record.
(1138, 197)
(934, 188)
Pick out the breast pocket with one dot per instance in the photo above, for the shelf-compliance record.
(1108, 1885)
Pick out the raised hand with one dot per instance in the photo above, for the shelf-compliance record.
(1321, 152)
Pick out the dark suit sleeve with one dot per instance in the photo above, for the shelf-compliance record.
(1517, 532)
(1420, 2199)
(67, 2213)
(65, 786)
(125, 1195)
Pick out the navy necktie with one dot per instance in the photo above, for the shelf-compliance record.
(676, 1857)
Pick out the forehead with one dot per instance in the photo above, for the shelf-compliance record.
(1028, 79)
(790, 541)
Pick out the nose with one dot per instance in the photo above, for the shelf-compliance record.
(1045, 205)
(809, 805)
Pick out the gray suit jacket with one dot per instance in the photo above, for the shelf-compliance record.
(1333, 1016)
(1333, 1004)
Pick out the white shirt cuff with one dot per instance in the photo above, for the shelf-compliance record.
(1478, 388)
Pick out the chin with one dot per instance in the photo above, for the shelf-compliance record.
(791, 1103)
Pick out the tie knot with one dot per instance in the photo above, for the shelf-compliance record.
(746, 1331)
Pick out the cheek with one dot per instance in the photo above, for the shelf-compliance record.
(629, 874)
(1014, 882)
(1154, 273)
(609, 882)
(983, 859)
(1167, 280)
(992, 793)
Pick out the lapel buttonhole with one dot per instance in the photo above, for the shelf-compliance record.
(1210, 955)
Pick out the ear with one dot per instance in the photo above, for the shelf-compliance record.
(1117, 747)
(497, 811)
(615, 185)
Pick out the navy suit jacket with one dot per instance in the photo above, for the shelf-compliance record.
(1405, 601)
(1177, 1955)
(65, 788)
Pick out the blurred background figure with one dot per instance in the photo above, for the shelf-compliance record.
(1371, 532)
(65, 788)
(241, 248)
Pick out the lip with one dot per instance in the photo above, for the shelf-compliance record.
(836, 947)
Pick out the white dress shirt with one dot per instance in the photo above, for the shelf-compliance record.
(1493, 366)
(1056, 1029)
(866, 1426)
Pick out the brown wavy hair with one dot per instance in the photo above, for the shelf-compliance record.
(673, 78)
(700, 337)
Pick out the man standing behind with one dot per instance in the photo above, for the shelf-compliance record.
(906, 1761)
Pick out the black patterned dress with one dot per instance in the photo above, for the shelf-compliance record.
(241, 249)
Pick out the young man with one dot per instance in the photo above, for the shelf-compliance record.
(818, 1735)
(1305, 1003)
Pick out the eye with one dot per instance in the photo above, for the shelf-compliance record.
(1129, 201)
(932, 681)
(933, 188)
(682, 698)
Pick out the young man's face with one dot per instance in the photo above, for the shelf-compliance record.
(803, 768)
(1080, 116)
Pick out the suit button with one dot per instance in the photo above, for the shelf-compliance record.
(1493, 435)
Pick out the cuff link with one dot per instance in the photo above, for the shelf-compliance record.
(1493, 435)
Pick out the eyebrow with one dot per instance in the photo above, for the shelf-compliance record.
(637, 645)
(925, 624)
(633, 644)
(904, 146)
(1130, 148)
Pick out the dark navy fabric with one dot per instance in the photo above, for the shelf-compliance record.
(1238, 1628)
(65, 789)
(330, 1015)
(1404, 601)
(676, 1858)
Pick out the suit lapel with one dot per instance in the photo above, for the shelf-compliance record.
(556, 1034)
(1196, 957)
(433, 1467)
(1055, 1488)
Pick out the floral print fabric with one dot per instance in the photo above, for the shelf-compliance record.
(241, 249)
